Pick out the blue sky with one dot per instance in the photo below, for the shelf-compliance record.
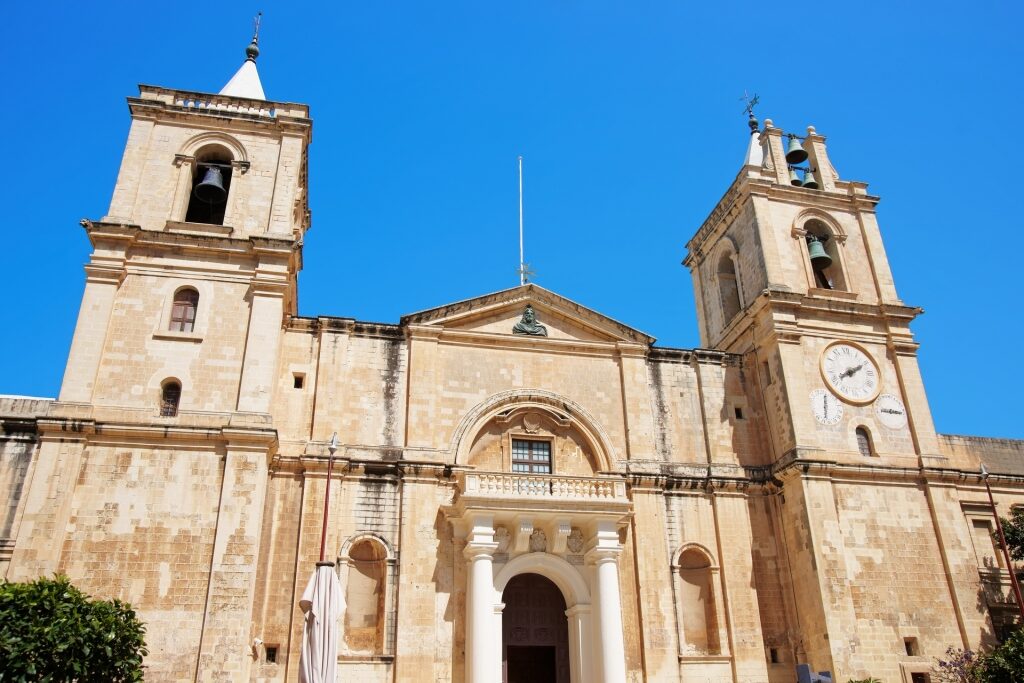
(629, 119)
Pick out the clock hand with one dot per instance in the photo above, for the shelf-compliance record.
(850, 372)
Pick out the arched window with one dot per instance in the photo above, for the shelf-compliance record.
(365, 598)
(698, 611)
(170, 396)
(728, 288)
(183, 310)
(211, 182)
(864, 442)
(823, 250)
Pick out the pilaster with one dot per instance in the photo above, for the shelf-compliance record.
(224, 648)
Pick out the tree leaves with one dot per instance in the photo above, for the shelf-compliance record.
(51, 631)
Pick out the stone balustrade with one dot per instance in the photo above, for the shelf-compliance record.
(508, 485)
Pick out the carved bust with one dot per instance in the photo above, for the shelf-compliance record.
(529, 325)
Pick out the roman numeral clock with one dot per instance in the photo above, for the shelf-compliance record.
(850, 373)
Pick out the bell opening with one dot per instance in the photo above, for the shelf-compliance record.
(822, 250)
(211, 182)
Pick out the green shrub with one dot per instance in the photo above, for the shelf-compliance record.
(50, 631)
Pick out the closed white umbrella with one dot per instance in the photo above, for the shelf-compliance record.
(322, 604)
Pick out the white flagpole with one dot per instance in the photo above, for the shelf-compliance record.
(522, 266)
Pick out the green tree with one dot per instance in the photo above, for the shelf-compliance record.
(1013, 529)
(1005, 664)
(50, 631)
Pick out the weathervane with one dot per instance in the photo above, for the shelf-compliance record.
(256, 27)
(749, 109)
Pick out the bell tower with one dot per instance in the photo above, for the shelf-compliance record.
(789, 264)
(790, 272)
(201, 243)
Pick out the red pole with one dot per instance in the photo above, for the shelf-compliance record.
(1002, 541)
(327, 493)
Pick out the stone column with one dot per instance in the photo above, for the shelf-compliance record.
(480, 603)
(604, 556)
(580, 638)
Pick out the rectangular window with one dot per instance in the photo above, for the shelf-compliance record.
(531, 456)
(910, 645)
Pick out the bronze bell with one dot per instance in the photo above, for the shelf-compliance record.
(796, 154)
(794, 178)
(820, 260)
(211, 190)
(809, 182)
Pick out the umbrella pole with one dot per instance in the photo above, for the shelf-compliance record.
(332, 447)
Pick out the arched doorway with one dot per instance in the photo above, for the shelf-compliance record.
(534, 632)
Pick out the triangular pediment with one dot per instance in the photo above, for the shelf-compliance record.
(499, 312)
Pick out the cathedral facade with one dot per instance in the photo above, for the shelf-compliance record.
(523, 489)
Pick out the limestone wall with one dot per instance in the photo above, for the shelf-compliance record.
(18, 448)
(141, 529)
(139, 353)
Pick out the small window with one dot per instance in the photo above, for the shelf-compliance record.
(773, 655)
(183, 310)
(910, 645)
(531, 456)
(738, 412)
(298, 380)
(864, 442)
(271, 654)
(170, 396)
(920, 678)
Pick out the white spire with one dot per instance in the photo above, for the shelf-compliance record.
(755, 153)
(246, 81)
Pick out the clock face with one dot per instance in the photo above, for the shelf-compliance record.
(827, 408)
(850, 373)
(891, 412)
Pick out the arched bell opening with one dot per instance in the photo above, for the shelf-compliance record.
(534, 631)
(211, 183)
(728, 287)
(823, 251)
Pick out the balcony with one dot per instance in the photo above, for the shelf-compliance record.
(504, 491)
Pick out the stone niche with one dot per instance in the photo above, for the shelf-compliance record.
(571, 453)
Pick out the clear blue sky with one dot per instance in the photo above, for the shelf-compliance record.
(628, 116)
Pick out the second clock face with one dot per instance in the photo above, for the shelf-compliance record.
(850, 373)
(827, 408)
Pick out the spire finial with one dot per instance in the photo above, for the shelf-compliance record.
(253, 51)
(751, 103)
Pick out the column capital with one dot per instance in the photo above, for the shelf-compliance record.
(601, 555)
(479, 551)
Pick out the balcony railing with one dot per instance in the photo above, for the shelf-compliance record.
(533, 486)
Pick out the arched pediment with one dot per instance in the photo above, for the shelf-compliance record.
(555, 407)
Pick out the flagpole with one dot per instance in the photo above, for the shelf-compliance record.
(331, 448)
(522, 266)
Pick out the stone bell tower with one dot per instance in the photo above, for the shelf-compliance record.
(163, 423)
(790, 272)
(206, 222)
(790, 263)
